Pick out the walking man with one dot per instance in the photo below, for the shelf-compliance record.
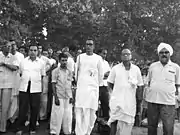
(164, 80)
(123, 81)
(89, 75)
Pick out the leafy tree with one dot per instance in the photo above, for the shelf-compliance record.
(114, 24)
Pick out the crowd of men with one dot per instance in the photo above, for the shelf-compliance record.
(34, 86)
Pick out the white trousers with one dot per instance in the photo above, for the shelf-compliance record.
(14, 109)
(5, 100)
(124, 128)
(44, 100)
(61, 116)
(85, 119)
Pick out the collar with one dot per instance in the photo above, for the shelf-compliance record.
(168, 64)
(34, 60)
(8, 56)
(124, 66)
(62, 68)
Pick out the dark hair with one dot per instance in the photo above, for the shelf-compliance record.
(62, 55)
(23, 47)
(101, 50)
(33, 45)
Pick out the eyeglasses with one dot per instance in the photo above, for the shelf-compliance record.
(126, 54)
(33, 50)
(165, 52)
(89, 44)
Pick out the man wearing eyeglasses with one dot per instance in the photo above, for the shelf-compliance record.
(89, 76)
(32, 72)
(125, 82)
(164, 81)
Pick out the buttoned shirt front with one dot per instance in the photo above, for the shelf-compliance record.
(6, 79)
(32, 71)
(162, 80)
(63, 79)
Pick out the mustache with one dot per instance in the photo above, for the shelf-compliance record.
(164, 56)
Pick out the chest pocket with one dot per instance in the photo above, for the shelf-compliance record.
(170, 75)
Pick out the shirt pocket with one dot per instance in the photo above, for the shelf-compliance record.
(170, 76)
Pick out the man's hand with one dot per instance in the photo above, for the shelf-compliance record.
(57, 102)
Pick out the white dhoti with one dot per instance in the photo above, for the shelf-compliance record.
(61, 116)
(124, 117)
(124, 128)
(85, 119)
(44, 99)
(14, 107)
(5, 99)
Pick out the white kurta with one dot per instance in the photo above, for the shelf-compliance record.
(13, 110)
(89, 75)
(123, 97)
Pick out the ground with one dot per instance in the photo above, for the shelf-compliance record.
(42, 130)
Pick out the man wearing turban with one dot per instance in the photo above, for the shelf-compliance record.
(164, 81)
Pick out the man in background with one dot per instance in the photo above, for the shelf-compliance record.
(103, 90)
(8, 65)
(13, 113)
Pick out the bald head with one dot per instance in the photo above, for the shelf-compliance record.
(126, 55)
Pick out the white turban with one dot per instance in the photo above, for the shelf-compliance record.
(166, 46)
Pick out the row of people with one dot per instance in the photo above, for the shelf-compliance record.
(92, 74)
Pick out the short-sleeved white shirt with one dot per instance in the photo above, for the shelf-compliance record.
(32, 71)
(162, 81)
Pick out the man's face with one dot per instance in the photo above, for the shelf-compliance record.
(33, 51)
(89, 46)
(14, 46)
(7, 47)
(50, 51)
(22, 50)
(45, 53)
(103, 54)
(164, 56)
(40, 49)
(126, 55)
(63, 62)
